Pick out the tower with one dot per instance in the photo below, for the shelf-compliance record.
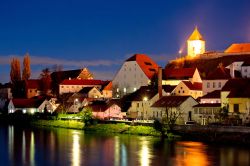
(195, 44)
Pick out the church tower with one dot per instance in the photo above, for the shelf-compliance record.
(195, 44)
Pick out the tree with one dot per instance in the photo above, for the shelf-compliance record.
(166, 125)
(15, 74)
(26, 67)
(46, 80)
(87, 115)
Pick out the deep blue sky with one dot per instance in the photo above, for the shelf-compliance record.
(101, 34)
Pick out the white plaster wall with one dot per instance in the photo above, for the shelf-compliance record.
(207, 89)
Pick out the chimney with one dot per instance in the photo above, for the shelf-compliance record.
(232, 70)
(160, 82)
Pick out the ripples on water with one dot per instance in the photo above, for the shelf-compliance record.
(74, 147)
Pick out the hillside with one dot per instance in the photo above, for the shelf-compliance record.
(205, 66)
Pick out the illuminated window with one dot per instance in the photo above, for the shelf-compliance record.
(124, 90)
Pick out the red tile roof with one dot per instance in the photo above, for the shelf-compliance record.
(220, 73)
(27, 103)
(238, 48)
(194, 86)
(181, 73)
(82, 82)
(33, 84)
(170, 101)
(235, 84)
(108, 86)
(212, 95)
(148, 66)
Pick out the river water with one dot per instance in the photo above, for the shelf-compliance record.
(59, 147)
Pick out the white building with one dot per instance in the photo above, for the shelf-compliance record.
(245, 70)
(195, 44)
(216, 80)
(134, 73)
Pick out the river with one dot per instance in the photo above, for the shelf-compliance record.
(59, 147)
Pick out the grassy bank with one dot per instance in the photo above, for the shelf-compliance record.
(122, 129)
(71, 124)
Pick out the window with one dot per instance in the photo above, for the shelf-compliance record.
(183, 91)
(30, 91)
(124, 90)
(62, 86)
(236, 108)
(213, 84)
(179, 92)
(219, 84)
(138, 104)
(208, 85)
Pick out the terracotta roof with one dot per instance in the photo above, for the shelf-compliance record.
(194, 86)
(27, 103)
(107, 86)
(195, 35)
(144, 91)
(82, 82)
(220, 73)
(33, 84)
(170, 101)
(208, 105)
(181, 73)
(148, 66)
(238, 48)
(212, 95)
(235, 84)
(246, 63)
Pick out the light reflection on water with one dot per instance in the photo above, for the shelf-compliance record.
(73, 147)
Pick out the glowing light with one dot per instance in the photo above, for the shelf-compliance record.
(145, 98)
(76, 150)
(180, 51)
(144, 154)
(24, 111)
(32, 111)
(32, 149)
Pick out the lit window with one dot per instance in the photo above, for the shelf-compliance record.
(124, 90)
(134, 89)
(117, 90)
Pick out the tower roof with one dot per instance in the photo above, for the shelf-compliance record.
(195, 35)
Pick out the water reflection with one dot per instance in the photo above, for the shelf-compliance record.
(191, 153)
(76, 160)
(58, 147)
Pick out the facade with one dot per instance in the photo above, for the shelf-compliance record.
(5, 91)
(107, 90)
(134, 73)
(187, 88)
(216, 80)
(141, 102)
(175, 76)
(245, 70)
(182, 105)
(206, 113)
(72, 86)
(30, 106)
(91, 92)
(195, 44)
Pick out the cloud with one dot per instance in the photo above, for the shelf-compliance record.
(45, 61)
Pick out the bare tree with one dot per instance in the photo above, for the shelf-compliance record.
(26, 67)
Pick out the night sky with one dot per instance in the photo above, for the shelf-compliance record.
(101, 34)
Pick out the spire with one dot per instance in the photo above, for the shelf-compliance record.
(195, 35)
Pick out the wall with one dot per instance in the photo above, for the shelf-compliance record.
(211, 88)
(129, 77)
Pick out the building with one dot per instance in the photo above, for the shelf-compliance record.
(211, 97)
(238, 48)
(206, 113)
(187, 88)
(181, 106)
(30, 106)
(135, 72)
(175, 76)
(33, 88)
(107, 90)
(5, 91)
(216, 79)
(245, 69)
(141, 102)
(75, 85)
(195, 44)
(91, 92)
